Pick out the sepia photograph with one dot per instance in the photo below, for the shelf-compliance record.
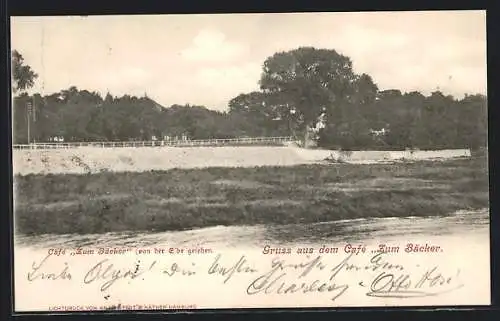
(274, 160)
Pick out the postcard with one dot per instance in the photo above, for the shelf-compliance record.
(235, 161)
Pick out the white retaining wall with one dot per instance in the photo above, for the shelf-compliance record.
(359, 156)
(89, 159)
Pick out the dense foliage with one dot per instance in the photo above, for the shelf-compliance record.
(299, 90)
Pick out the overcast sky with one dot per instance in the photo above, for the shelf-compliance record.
(209, 59)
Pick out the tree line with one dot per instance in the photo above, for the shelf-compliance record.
(80, 115)
(311, 94)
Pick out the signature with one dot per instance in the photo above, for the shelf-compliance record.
(105, 271)
(273, 281)
(403, 285)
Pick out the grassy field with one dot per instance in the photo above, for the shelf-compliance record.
(188, 198)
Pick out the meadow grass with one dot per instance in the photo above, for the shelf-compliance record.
(188, 198)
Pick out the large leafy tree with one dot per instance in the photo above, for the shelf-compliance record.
(23, 75)
(303, 83)
(23, 78)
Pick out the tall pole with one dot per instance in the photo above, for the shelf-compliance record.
(28, 114)
(34, 118)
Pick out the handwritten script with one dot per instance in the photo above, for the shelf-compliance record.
(377, 275)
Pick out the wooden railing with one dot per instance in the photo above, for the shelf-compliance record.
(176, 143)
